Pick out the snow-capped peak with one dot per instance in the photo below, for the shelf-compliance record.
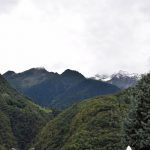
(125, 74)
(120, 74)
(121, 79)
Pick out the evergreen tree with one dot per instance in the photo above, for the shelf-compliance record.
(137, 123)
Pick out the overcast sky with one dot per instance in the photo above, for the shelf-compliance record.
(91, 36)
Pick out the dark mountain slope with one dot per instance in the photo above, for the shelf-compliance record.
(85, 89)
(90, 125)
(23, 81)
(51, 89)
(20, 118)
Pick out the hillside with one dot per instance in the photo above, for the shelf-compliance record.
(57, 90)
(92, 124)
(20, 118)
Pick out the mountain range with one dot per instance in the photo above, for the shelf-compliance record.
(91, 124)
(55, 90)
(121, 79)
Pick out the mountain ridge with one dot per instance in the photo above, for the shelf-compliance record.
(53, 89)
(121, 79)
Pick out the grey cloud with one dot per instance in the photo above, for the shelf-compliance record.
(7, 5)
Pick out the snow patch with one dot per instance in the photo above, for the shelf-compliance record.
(128, 148)
(120, 74)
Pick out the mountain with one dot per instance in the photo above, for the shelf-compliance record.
(28, 78)
(93, 124)
(122, 79)
(57, 90)
(20, 118)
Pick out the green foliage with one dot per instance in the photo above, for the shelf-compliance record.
(6, 135)
(137, 123)
(2, 147)
(20, 119)
(94, 124)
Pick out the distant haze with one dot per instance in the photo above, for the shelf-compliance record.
(91, 36)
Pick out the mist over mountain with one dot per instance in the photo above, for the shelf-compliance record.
(57, 90)
(121, 79)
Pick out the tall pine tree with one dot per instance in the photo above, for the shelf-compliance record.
(137, 123)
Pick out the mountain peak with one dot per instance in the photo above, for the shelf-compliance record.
(69, 72)
(121, 79)
(9, 73)
(38, 70)
(122, 73)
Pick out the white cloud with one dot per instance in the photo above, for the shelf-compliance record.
(98, 36)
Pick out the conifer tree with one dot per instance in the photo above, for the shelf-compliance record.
(137, 123)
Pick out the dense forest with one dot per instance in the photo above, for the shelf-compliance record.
(20, 118)
(94, 124)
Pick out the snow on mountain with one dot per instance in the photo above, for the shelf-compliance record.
(123, 74)
(122, 79)
(102, 77)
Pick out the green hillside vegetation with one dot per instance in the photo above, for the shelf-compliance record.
(2, 147)
(20, 119)
(137, 123)
(93, 124)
